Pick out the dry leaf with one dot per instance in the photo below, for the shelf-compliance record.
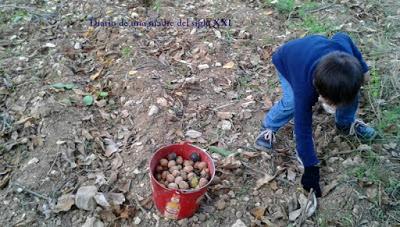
(127, 212)
(258, 212)
(229, 65)
(295, 214)
(97, 74)
(265, 180)
(224, 115)
(230, 162)
(269, 12)
(107, 215)
(64, 203)
(79, 92)
(274, 185)
(111, 147)
(329, 188)
(249, 154)
(124, 186)
(132, 72)
(307, 207)
(178, 55)
(4, 181)
(193, 134)
(218, 34)
(147, 203)
(101, 200)
(267, 102)
(291, 175)
(23, 120)
(116, 162)
(115, 198)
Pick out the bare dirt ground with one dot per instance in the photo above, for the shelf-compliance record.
(150, 86)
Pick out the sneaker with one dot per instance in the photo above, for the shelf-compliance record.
(360, 130)
(264, 140)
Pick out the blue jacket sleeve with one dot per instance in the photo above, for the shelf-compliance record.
(356, 52)
(303, 130)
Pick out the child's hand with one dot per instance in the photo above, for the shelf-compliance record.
(310, 179)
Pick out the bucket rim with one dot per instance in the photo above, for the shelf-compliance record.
(184, 191)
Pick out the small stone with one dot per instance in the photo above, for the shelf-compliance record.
(84, 198)
(246, 198)
(364, 147)
(203, 66)
(239, 223)
(348, 162)
(77, 46)
(218, 64)
(279, 191)
(225, 125)
(221, 204)
(372, 193)
(193, 134)
(32, 161)
(202, 217)
(231, 194)
(137, 221)
(101, 200)
(134, 15)
(50, 45)
(153, 110)
(115, 198)
(247, 104)
(392, 145)
(195, 219)
(162, 102)
(291, 175)
(245, 114)
(64, 203)
(93, 222)
(124, 113)
(357, 160)
(224, 115)
(183, 222)
(356, 210)
(333, 160)
(216, 156)
(239, 214)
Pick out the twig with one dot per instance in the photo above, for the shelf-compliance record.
(141, 207)
(339, 153)
(31, 10)
(322, 8)
(225, 105)
(54, 162)
(398, 220)
(251, 168)
(31, 192)
(15, 6)
(304, 211)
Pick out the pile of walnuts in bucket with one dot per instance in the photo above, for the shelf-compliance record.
(176, 173)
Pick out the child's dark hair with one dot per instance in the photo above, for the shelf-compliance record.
(338, 78)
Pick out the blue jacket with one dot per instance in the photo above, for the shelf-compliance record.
(296, 61)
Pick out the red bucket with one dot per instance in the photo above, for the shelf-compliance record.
(177, 203)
